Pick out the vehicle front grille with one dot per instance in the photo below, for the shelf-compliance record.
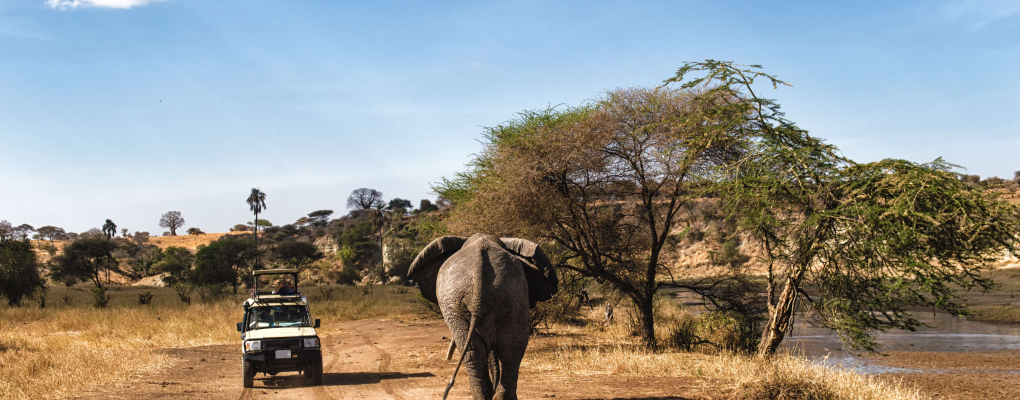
(281, 344)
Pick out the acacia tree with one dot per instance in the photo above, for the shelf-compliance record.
(606, 184)
(297, 255)
(319, 217)
(171, 220)
(857, 243)
(227, 261)
(365, 199)
(51, 233)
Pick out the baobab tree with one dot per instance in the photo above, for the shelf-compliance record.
(171, 220)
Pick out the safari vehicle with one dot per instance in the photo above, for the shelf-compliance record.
(278, 333)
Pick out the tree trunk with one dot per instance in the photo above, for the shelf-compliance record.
(647, 321)
(780, 320)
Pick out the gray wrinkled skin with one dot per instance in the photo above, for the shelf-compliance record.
(482, 279)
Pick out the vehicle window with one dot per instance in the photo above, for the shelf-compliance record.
(277, 317)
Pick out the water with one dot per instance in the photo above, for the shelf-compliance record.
(945, 333)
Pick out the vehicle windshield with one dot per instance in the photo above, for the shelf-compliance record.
(278, 316)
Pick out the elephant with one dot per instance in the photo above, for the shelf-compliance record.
(485, 287)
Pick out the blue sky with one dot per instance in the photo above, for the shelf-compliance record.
(126, 109)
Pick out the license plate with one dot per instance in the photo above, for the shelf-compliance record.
(282, 354)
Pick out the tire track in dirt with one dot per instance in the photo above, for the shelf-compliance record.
(384, 364)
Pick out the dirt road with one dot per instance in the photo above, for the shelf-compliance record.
(369, 359)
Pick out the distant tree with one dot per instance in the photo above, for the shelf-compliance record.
(443, 202)
(241, 228)
(142, 253)
(93, 233)
(176, 263)
(263, 223)
(23, 231)
(426, 206)
(19, 271)
(124, 233)
(303, 221)
(399, 204)
(365, 199)
(320, 218)
(298, 255)
(110, 230)
(51, 233)
(171, 220)
(994, 182)
(195, 231)
(226, 261)
(256, 203)
(82, 260)
(6, 230)
(1016, 176)
(972, 180)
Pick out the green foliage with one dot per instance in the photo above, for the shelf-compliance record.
(297, 255)
(226, 261)
(426, 206)
(82, 260)
(357, 238)
(346, 255)
(398, 203)
(184, 291)
(20, 276)
(347, 276)
(99, 295)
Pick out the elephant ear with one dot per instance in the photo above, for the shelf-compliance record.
(542, 280)
(424, 269)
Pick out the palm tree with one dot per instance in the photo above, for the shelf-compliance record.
(110, 229)
(256, 203)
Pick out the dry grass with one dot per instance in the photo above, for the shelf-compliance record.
(593, 350)
(64, 349)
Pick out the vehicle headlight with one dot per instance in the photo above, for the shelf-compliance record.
(312, 342)
(253, 345)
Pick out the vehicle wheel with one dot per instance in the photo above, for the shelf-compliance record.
(317, 374)
(247, 373)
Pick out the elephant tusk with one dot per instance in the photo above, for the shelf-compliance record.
(449, 353)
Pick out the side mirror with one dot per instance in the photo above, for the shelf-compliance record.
(317, 323)
(239, 325)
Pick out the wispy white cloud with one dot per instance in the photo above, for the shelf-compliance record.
(980, 12)
(121, 4)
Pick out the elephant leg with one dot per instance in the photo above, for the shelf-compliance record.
(477, 363)
(494, 370)
(509, 371)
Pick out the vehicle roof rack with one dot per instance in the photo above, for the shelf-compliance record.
(289, 271)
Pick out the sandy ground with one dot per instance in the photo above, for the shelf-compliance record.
(371, 359)
(961, 376)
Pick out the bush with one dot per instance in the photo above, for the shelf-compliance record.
(427, 309)
(212, 293)
(99, 295)
(347, 276)
(144, 298)
(184, 291)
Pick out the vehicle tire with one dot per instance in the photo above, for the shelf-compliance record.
(317, 374)
(247, 373)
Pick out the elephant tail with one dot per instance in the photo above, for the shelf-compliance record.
(471, 332)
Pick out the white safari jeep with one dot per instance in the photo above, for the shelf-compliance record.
(278, 333)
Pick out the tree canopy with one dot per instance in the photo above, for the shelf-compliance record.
(365, 199)
(226, 261)
(171, 220)
(81, 260)
(298, 255)
(20, 276)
